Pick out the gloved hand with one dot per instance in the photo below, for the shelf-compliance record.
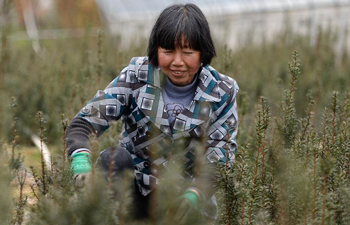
(80, 180)
(81, 166)
(81, 163)
(186, 209)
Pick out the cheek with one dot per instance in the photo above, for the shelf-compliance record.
(195, 59)
(194, 63)
(163, 61)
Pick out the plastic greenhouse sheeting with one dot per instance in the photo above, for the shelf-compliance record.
(140, 9)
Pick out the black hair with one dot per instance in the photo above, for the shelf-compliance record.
(176, 22)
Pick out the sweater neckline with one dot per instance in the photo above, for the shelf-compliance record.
(173, 90)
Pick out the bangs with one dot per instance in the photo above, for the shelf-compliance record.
(181, 35)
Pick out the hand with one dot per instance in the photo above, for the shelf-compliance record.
(186, 209)
(81, 180)
(81, 166)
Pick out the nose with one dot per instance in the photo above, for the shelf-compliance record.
(177, 60)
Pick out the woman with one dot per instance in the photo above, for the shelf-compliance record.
(167, 101)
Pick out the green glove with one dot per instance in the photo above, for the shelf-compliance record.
(186, 209)
(192, 197)
(81, 163)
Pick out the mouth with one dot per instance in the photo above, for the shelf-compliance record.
(177, 72)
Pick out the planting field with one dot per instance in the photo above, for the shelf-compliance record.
(293, 159)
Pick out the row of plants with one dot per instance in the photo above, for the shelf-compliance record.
(291, 169)
(288, 170)
(74, 69)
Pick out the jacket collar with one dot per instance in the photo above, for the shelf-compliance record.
(207, 89)
(150, 99)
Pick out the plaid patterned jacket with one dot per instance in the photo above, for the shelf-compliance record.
(135, 96)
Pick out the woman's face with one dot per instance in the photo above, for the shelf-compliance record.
(179, 65)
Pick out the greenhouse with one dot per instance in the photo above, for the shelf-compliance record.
(233, 22)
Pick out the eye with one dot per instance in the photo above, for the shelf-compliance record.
(188, 52)
(165, 51)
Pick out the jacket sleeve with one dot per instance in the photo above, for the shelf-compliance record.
(221, 140)
(222, 145)
(96, 116)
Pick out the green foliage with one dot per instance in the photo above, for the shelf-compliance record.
(6, 204)
(288, 122)
(305, 179)
(293, 161)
